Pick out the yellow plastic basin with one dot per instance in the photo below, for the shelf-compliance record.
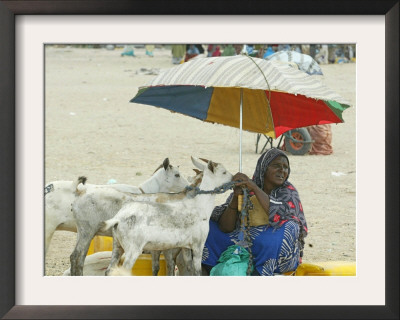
(142, 266)
(327, 268)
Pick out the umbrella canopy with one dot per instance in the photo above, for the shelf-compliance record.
(275, 96)
(305, 62)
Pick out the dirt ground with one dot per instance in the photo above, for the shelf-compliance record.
(92, 129)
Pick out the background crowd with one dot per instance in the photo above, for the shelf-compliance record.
(322, 53)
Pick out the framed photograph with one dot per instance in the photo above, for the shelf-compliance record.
(41, 59)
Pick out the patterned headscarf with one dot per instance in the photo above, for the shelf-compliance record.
(263, 162)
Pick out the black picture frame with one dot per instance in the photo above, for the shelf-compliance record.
(8, 11)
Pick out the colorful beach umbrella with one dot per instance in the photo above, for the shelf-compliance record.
(304, 62)
(248, 93)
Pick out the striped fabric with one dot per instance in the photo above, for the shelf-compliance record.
(275, 96)
(304, 62)
(246, 72)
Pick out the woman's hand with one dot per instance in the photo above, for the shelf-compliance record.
(244, 181)
(227, 221)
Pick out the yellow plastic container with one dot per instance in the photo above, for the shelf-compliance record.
(327, 268)
(100, 243)
(142, 266)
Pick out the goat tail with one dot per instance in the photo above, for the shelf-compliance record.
(105, 225)
(76, 183)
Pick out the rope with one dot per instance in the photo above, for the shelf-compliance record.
(48, 189)
(221, 189)
(244, 234)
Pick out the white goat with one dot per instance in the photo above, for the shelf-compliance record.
(94, 204)
(171, 255)
(59, 196)
(58, 216)
(165, 225)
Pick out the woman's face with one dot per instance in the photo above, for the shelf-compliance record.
(277, 173)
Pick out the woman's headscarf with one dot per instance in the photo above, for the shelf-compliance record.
(262, 165)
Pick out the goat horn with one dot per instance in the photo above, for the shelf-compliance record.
(197, 171)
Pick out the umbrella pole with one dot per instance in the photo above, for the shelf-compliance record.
(241, 127)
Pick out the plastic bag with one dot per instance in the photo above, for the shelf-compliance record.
(257, 215)
(233, 261)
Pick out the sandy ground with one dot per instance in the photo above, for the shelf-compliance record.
(92, 129)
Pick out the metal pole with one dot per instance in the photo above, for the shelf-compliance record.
(241, 128)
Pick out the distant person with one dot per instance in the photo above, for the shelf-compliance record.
(249, 49)
(322, 137)
(193, 50)
(284, 47)
(128, 51)
(229, 50)
(322, 56)
(268, 52)
(238, 48)
(313, 49)
(331, 53)
(296, 48)
(216, 52)
(200, 48)
(178, 53)
(260, 48)
(305, 49)
(149, 49)
(210, 50)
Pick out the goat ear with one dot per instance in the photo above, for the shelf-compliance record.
(211, 166)
(205, 160)
(166, 164)
(197, 171)
(197, 163)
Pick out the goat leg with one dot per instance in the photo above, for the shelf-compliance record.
(77, 257)
(197, 253)
(117, 252)
(155, 262)
(170, 262)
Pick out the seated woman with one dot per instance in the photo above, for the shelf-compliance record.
(277, 244)
(191, 52)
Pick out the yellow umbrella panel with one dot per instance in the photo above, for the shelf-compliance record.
(224, 109)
